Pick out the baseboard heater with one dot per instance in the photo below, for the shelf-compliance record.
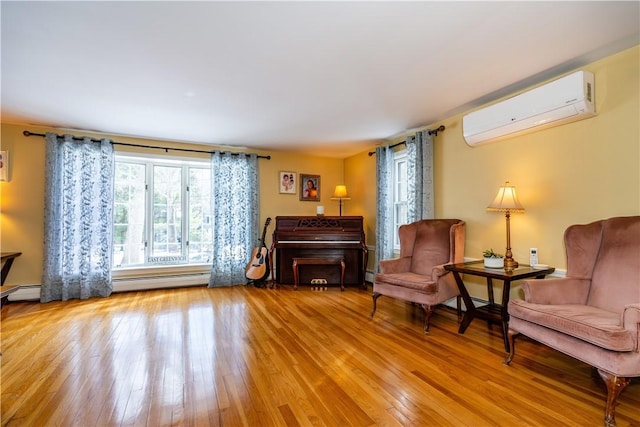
(453, 304)
(32, 292)
(160, 282)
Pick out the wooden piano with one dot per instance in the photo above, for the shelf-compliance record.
(327, 237)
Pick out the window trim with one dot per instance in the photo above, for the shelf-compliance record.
(146, 270)
(398, 156)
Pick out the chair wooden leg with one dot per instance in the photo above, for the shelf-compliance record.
(615, 385)
(428, 311)
(511, 335)
(375, 299)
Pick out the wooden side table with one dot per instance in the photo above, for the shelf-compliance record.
(7, 262)
(492, 311)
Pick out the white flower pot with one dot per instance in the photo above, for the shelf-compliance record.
(494, 262)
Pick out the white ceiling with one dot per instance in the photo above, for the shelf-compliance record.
(319, 77)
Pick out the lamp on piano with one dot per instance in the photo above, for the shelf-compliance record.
(340, 194)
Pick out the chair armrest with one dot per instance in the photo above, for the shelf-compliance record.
(564, 290)
(631, 321)
(438, 271)
(631, 317)
(395, 265)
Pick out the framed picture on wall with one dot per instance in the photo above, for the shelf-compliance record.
(310, 188)
(4, 166)
(288, 181)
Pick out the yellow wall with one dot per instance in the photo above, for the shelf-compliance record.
(574, 173)
(22, 198)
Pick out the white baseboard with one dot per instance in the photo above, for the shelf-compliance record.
(453, 304)
(32, 292)
(369, 275)
(26, 293)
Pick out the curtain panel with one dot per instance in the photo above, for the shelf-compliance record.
(384, 209)
(235, 215)
(78, 212)
(420, 203)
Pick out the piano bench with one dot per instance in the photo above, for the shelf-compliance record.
(317, 261)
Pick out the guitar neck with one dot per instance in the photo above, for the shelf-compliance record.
(264, 233)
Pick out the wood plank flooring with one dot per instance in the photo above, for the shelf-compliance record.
(244, 356)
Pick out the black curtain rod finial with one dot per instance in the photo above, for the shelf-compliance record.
(440, 128)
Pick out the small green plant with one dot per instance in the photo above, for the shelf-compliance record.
(489, 253)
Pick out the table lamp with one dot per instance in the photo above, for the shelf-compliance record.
(506, 201)
(340, 193)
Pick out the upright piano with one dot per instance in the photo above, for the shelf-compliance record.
(320, 237)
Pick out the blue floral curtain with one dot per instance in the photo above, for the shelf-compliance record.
(235, 215)
(419, 192)
(420, 177)
(78, 214)
(384, 211)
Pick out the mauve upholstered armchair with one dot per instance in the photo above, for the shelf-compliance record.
(418, 274)
(592, 314)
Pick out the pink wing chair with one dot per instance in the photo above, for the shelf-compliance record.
(418, 275)
(592, 314)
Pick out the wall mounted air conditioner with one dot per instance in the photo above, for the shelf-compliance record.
(564, 100)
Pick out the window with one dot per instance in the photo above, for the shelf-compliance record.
(162, 211)
(400, 186)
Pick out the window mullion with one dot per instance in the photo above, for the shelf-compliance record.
(399, 193)
(185, 212)
(148, 220)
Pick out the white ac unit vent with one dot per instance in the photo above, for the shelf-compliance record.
(564, 100)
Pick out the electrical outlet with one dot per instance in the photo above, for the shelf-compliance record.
(533, 256)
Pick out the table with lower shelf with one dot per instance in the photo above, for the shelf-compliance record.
(7, 262)
(492, 311)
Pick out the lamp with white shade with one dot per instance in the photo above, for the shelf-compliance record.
(507, 201)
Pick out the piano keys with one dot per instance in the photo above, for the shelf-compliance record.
(319, 237)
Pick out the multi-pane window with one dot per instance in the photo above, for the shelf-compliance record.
(166, 234)
(400, 187)
(162, 212)
(129, 220)
(200, 231)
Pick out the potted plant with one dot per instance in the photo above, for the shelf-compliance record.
(493, 259)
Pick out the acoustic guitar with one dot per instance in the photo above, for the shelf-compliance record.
(258, 267)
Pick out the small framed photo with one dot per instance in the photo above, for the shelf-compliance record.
(288, 182)
(310, 188)
(4, 166)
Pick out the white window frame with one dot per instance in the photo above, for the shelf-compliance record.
(162, 160)
(399, 157)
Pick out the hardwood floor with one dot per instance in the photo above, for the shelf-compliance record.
(260, 357)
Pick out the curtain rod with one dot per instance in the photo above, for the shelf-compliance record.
(166, 149)
(440, 128)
